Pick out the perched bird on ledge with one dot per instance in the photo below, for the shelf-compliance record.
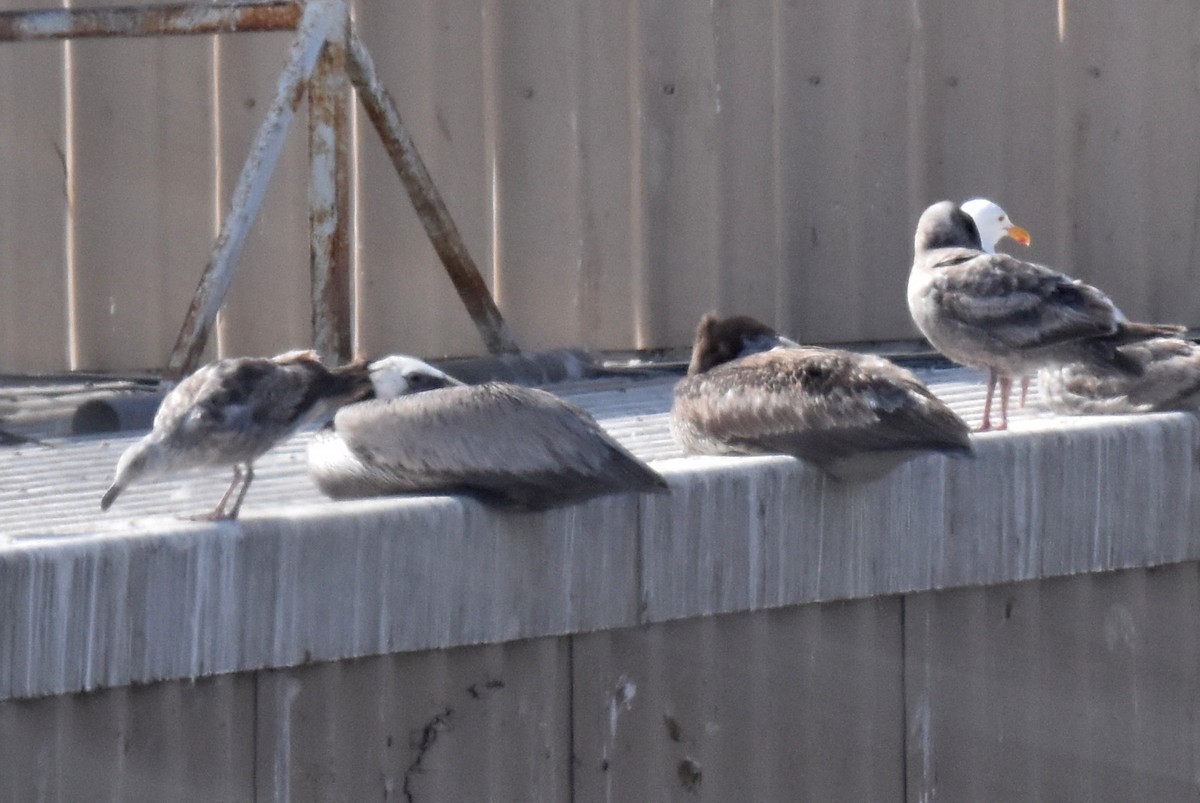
(506, 445)
(230, 413)
(997, 313)
(1170, 380)
(854, 416)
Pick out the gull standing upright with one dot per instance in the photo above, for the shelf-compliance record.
(994, 225)
(997, 313)
(230, 413)
(854, 416)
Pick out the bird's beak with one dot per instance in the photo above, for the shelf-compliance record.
(110, 495)
(1019, 234)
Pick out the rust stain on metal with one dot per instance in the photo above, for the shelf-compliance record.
(164, 20)
(329, 201)
(434, 215)
(251, 187)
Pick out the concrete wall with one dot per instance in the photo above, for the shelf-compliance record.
(615, 169)
(1079, 688)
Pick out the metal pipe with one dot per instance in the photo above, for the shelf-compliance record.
(444, 235)
(329, 196)
(251, 187)
(166, 20)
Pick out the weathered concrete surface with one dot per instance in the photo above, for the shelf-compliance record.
(140, 595)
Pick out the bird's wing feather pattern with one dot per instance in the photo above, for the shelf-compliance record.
(499, 437)
(1022, 305)
(817, 404)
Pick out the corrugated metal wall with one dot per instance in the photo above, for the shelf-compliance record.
(616, 169)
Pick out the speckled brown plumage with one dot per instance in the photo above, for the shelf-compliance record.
(231, 412)
(1169, 380)
(855, 416)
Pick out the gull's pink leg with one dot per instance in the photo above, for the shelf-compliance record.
(986, 424)
(218, 512)
(1005, 390)
(1024, 390)
(233, 514)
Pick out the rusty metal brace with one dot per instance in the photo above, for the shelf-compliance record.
(325, 53)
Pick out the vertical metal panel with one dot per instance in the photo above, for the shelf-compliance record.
(180, 741)
(676, 196)
(844, 160)
(793, 704)
(142, 193)
(34, 194)
(269, 307)
(612, 307)
(478, 723)
(1081, 688)
(430, 55)
(537, 183)
(748, 259)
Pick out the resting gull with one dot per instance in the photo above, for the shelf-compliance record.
(506, 445)
(1170, 380)
(854, 416)
(997, 313)
(230, 413)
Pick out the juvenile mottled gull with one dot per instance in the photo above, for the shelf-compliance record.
(231, 412)
(854, 416)
(1170, 380)
(997, 313)
(505, 445)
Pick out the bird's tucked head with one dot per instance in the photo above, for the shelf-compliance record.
(720, 340)
(143, 460)
(993, 224)
(945, 225)
(399, 375)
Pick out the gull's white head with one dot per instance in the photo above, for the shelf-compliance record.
(142, 461)
(993, 223)
(399, 376)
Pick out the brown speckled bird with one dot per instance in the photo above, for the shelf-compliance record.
(854, 416)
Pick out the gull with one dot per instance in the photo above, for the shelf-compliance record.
(996, 313)
(230, 413)
(1170, 380)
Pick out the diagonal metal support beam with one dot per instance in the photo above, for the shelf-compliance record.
(314, 29)
(326, 51)
(444, 235)
(187, 19)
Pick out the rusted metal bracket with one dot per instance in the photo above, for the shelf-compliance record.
(323, 61)
(315, 27)
(164, 20)
(444, 235)
(325, 52)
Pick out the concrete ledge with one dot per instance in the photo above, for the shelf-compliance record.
(109, 601)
